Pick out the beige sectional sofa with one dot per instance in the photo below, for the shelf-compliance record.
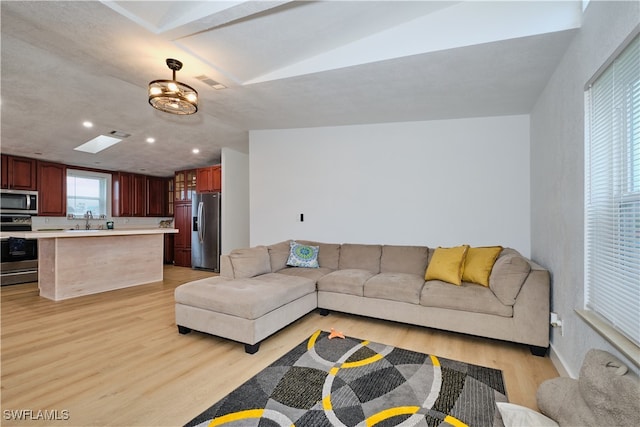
(257, 294)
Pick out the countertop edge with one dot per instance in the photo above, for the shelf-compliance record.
(85, 233)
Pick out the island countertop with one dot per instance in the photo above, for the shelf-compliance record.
(85, 233)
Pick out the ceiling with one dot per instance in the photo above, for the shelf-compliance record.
(286, 64)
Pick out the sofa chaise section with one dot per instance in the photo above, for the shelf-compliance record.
(245, 309)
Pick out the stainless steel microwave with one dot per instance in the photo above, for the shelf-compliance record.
(19, 201)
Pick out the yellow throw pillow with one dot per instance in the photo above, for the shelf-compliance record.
(478, 264)
(447, 264)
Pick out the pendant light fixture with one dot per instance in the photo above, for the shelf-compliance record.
(172, 96)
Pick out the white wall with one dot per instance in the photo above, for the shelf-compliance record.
(557, 173)
(436, 183)
(235, 200)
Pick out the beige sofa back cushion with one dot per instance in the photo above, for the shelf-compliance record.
(250, 262)
(328, 253)
(507, 276)
(279, 253)
(361, 257)
(404, 259)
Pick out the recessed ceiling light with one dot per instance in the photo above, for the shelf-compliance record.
(151, 140)
(87, 124)
(195, 151)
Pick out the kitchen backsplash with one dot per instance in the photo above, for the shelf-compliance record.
(47, 222)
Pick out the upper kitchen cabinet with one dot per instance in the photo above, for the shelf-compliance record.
(170, 196)
(139, 195)
(129, 194)
(19, 173)
(4, 171)
(185, 184)
(157, 191)
(209, 179)
(52, 189)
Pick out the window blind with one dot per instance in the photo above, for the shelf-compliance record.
(612, 194)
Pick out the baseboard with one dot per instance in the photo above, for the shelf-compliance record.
(559, 363)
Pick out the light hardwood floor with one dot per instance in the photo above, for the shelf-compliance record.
(117, 359)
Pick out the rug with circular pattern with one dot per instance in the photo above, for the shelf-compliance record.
(353, 382)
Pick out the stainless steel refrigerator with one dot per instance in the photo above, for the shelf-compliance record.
(205, 235)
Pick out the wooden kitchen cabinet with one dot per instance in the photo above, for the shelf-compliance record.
(169, 250)
(156, 196)
(139, 202)
(52, 189)
(129, 194)
(170, 196)
(209, 179)
(21, 173)
(121, 184)
(185, 184)
(182, 239)
(4, 170)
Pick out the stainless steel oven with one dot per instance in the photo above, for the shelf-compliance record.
(19, 263)
(19, 202)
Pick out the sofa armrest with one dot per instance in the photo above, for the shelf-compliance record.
(531, 309)
(226, 268)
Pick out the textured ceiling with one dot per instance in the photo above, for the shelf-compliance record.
(285, 65)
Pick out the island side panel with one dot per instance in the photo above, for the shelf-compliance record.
(89, 265)
(47, 268)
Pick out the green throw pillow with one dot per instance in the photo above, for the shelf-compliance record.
(303, 256)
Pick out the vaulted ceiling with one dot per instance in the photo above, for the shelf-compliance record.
(285, 64)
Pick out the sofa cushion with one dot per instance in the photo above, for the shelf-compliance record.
(249, 298)
(401, 287)
(478, 264)
(404, 259)
(278, 255)
(310, 273)
(361, 257)
(466, 297)
(447, 264)
(507, 276)
(328, 253)
(303, 255)
(250, 262)
(349, 281)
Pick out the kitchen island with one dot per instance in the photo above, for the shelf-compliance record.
(73, 263)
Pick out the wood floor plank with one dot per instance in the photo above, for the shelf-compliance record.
(117, 359)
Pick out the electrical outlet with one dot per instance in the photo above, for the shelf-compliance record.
(556, 322)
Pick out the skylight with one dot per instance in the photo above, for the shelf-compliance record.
(97, 144)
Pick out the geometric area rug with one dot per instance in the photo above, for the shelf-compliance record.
(353, 382)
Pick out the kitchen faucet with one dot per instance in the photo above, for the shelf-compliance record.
(88, 216)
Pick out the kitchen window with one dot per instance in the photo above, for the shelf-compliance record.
(88, 191)
(612, 201)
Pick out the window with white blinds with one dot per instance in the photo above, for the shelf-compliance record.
(612, 193)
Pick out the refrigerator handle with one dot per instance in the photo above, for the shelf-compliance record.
(200, 222)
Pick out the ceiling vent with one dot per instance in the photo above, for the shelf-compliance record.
(119, 134)
(214, 84)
